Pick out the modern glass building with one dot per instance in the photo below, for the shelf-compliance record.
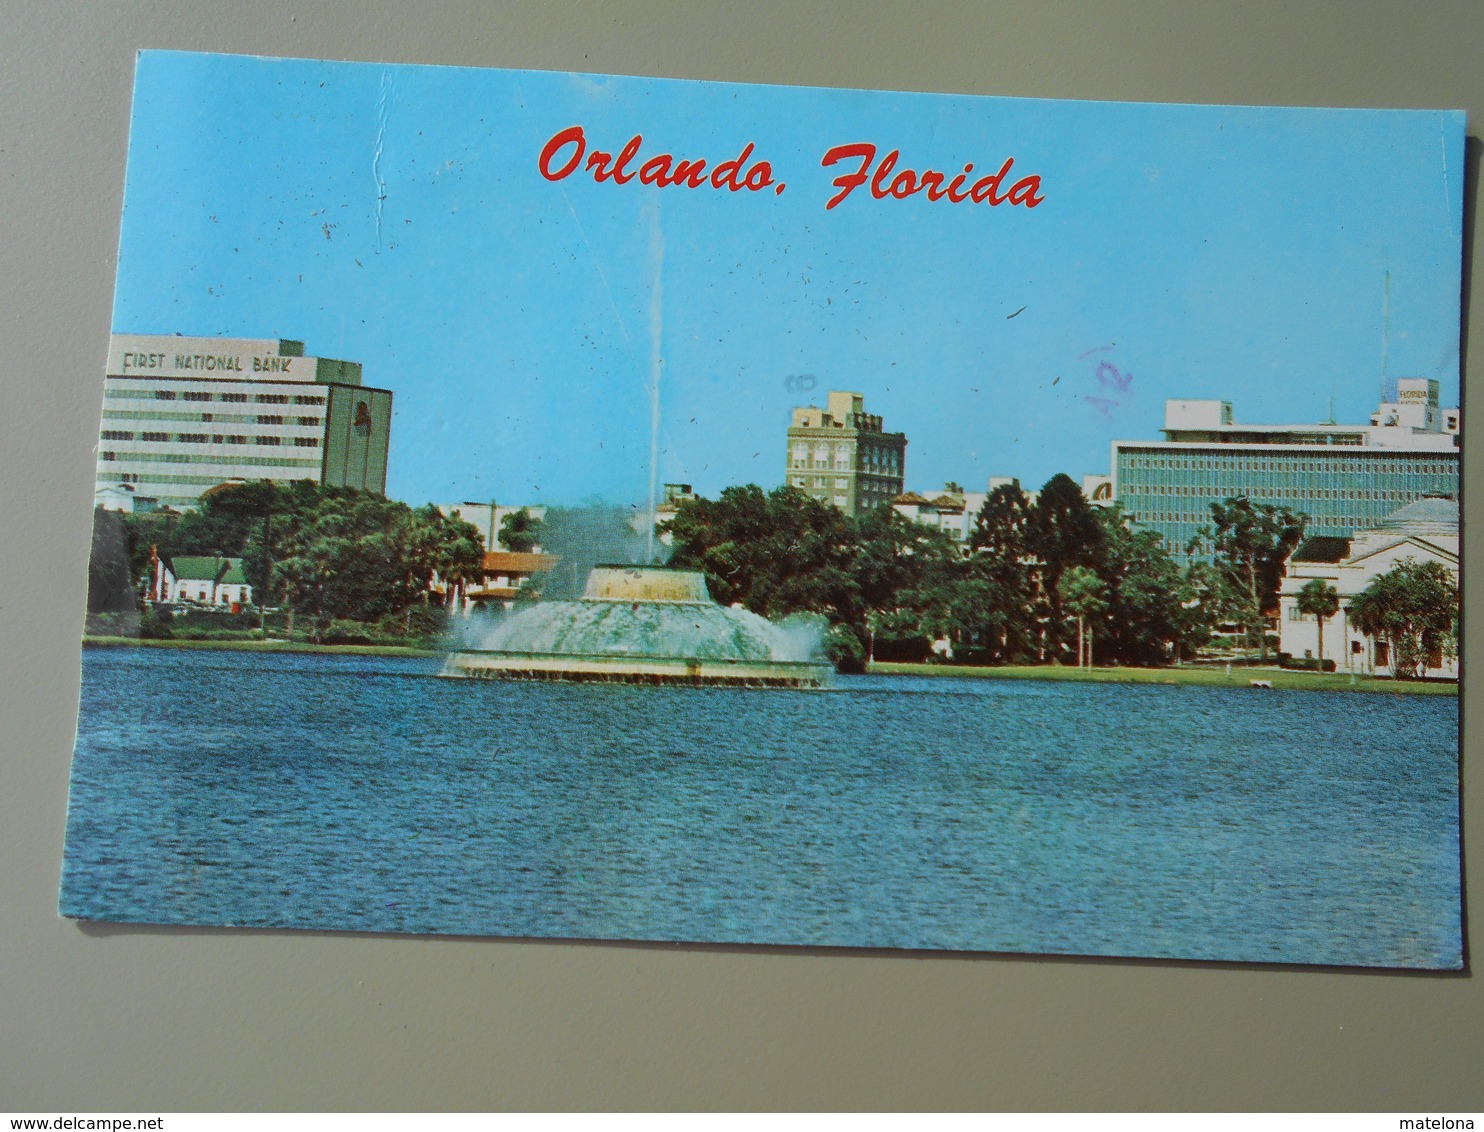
(1344, 477)
(182, 415)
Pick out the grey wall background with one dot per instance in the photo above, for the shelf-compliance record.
(131, 1019)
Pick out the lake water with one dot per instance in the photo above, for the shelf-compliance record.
(365, 793)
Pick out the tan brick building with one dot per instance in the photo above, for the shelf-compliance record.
(841, 455)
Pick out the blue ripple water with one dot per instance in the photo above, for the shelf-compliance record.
(364, 793)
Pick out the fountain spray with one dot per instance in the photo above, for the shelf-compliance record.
(656, 361)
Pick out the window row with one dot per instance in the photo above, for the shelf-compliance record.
(201, 480)
(221, 418)
(1367, 465)
(204, 438)
(238, 398)
(111, 456)
(842, 457)
(1194, 519)
(1306, 493)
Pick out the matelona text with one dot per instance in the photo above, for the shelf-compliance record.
(567, 152)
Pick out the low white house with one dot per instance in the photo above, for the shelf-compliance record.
(115, 497)
(1424, 531)
(200, 580)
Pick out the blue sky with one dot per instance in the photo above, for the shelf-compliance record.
(396, 216)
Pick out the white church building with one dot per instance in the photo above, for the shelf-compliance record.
(1424, 531)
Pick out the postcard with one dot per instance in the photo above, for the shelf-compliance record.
(576, 506)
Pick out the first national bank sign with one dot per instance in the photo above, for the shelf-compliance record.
(229, 359)
(136, 363)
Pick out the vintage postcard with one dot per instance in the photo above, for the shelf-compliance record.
(573, 506)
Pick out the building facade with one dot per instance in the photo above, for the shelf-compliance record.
(671, 499)
(182, 415)
(489, 517)
(1425, 531)
(1346, 478)
(198, 580)
(953, 511)
(841, 455)
(505, 573)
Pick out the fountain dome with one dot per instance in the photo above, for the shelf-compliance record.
(643, 625)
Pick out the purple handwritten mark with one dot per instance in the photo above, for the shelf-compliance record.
(1097, 350)
(1107, 374)
(1102, 405)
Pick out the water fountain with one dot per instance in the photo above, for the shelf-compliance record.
(644, 625)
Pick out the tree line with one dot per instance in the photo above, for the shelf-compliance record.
(1053, 580)
(1048, 580)
(323, 554)
(1045, 580)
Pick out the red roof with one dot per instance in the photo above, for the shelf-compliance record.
(509, 562)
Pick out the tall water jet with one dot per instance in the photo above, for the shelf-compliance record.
(643, 625)
(656, 361)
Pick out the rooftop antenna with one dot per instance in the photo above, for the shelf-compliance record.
(1331, 418)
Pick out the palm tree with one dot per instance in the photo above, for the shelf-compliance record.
(1081, 592)
(1322, 600)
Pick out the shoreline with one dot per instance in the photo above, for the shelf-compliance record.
(257, 646)
(1282, 679)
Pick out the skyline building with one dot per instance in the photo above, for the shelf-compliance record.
(842, 455)
(183, 415)
(1346, 478)
(490, 516)
(952, 511)
(1423, 532)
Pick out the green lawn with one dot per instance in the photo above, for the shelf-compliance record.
(1210, 677)
(257, 646)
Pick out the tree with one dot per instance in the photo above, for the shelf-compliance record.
(1063, 532)
(1414, 607)
(1081, 592)
(520, 532)
(326, 553)
(1203, 605)
(780, 553)
(1252, 541)
(777, 554)
(888, 558)
(953, 599)
(1002, 526)
(110, 583)
(269, 511)
(1154, 610)
(455, 548)
(357, 556)
(1320, 600)
(902, 572)
(1003, 559)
